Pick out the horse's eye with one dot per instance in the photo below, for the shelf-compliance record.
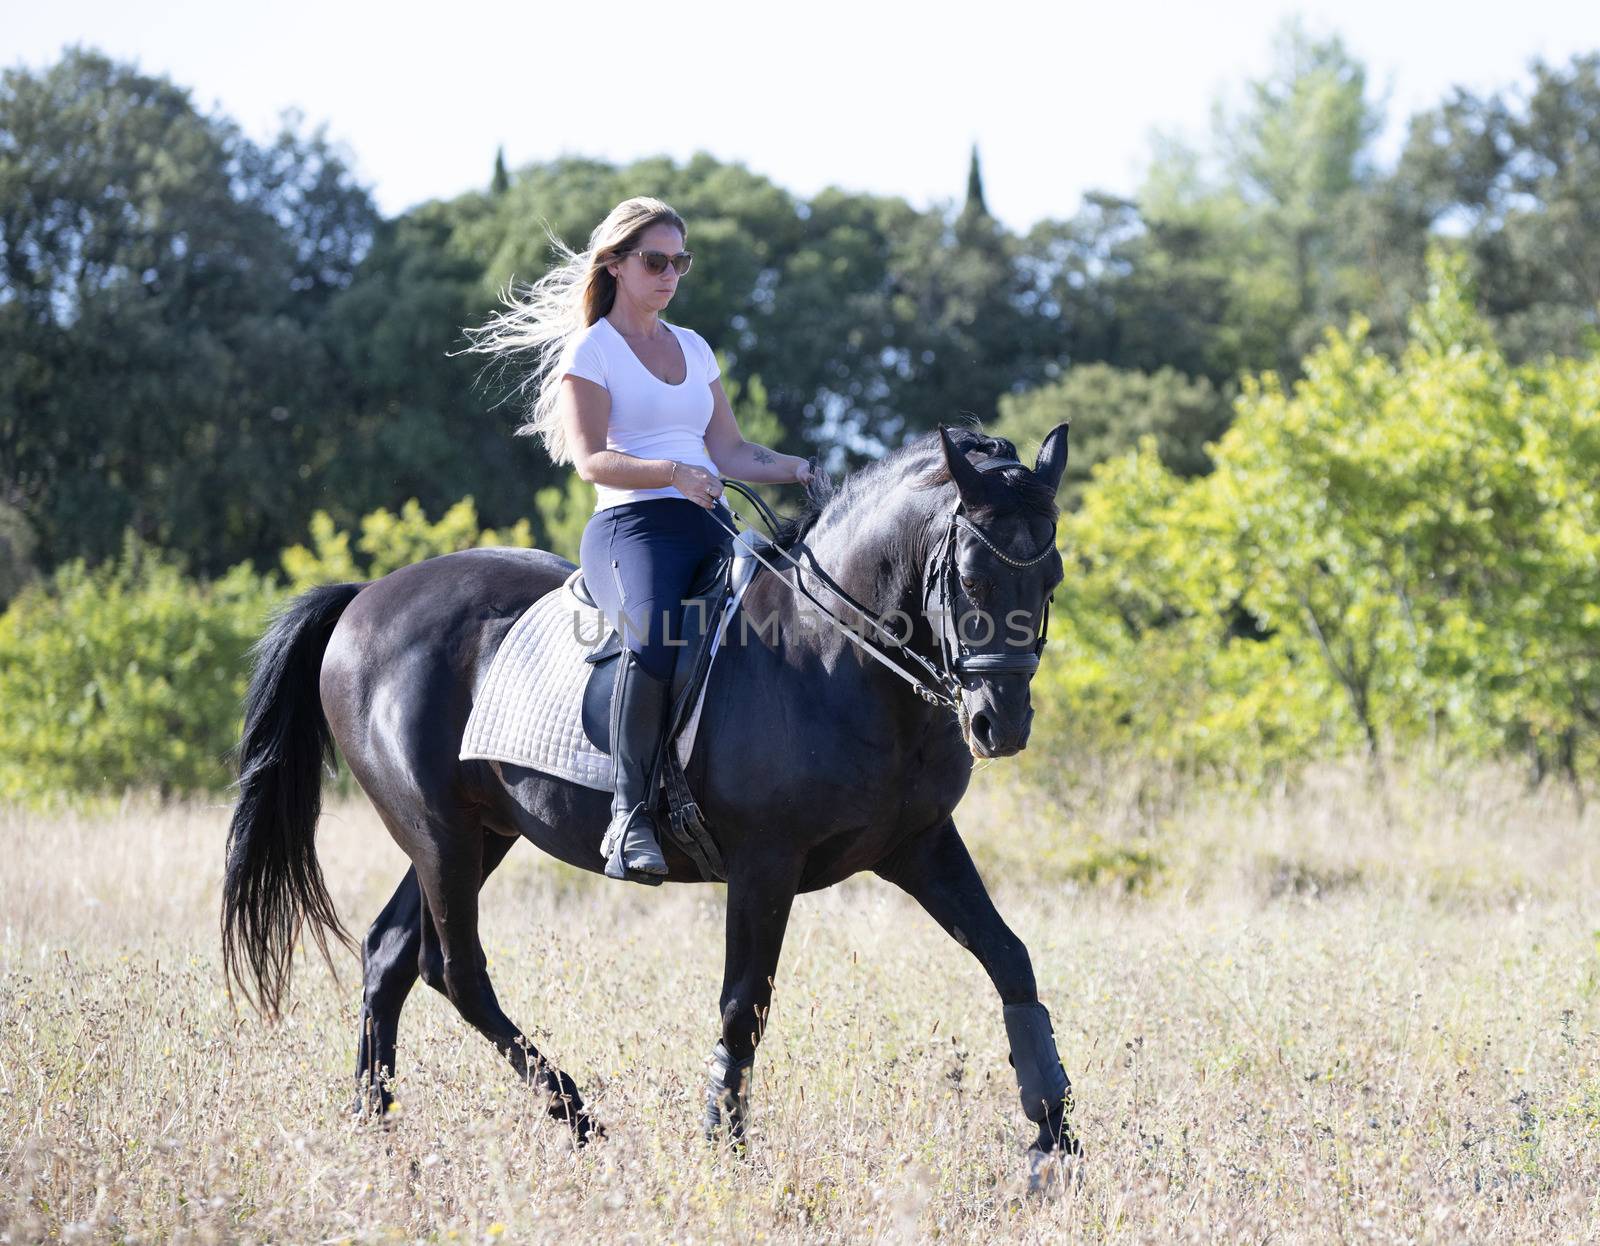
(971, 585)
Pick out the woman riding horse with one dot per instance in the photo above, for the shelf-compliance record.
(637, 406)
(852, 758)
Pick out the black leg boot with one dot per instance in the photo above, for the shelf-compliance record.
(638, 719)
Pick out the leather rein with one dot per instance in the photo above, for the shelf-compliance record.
(939, 685)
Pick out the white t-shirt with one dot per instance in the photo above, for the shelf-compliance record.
(649, 418)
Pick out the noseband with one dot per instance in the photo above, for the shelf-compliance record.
(939, 588)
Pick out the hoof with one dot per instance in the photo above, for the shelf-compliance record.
(563, 1103)
(383, 1120)
(372, 1107)
(726, 1135)
(1054, 1174)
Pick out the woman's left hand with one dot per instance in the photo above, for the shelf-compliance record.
(802, 473)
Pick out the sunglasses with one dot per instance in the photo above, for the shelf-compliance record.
(656, 262)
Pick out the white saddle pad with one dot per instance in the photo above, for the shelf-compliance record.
(529, 710)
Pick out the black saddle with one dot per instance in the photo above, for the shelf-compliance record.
(703, 604)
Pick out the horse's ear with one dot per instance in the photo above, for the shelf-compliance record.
(1051, 464)
(969, 482)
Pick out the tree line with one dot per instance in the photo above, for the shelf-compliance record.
(205, 339)
(1396, 552)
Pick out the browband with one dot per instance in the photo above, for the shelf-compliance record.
(993, 464)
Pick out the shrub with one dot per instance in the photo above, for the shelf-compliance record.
(127, 674)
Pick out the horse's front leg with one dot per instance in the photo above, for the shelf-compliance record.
(760, 892)
(937, 871)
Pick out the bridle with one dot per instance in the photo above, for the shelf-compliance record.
(954, 654)
(939, 685)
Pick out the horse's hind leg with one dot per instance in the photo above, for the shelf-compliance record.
(395, 949)
(389, 956)
(450, 883)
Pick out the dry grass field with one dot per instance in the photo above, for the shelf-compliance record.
(1327, 1013)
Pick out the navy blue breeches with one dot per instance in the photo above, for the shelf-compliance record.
(639, 559)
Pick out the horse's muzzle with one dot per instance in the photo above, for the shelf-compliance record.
(990, 734)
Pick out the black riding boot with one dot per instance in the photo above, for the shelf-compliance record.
(638, 718)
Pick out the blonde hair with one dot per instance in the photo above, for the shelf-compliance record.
(541, 319)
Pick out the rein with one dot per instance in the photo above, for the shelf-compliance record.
(942, 685)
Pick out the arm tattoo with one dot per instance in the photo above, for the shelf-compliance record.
(761, 455)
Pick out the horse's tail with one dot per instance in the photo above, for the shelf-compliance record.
(272, 886)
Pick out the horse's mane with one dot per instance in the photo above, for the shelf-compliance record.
(819, 493)
(920, 464)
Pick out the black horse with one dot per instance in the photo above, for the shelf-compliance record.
(812, 761)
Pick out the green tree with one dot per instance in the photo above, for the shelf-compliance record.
(818, 328)
(1109, 286)
(1146, 655)
(1393, 550)
(1521, 177)
(161, 285)
(974, 205)
(1260, 215)
(1111, 410)
(416, 423)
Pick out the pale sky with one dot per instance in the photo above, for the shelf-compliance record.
(1060, 97)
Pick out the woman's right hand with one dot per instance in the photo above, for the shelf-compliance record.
(696, 484)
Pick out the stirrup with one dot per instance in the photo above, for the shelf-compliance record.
(625, 865)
